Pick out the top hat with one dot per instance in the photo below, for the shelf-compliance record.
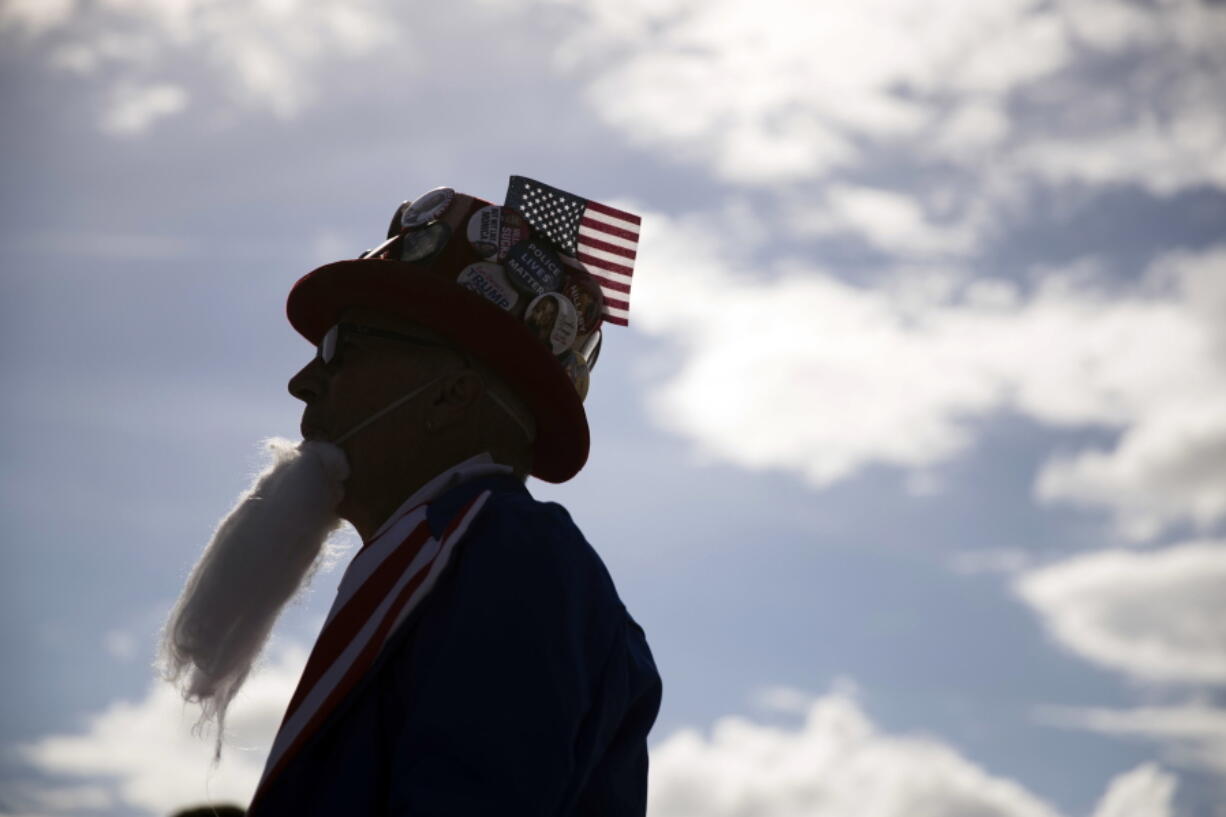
(523, 287)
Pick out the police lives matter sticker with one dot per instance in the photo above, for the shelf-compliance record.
(489, 281)
(534, 268)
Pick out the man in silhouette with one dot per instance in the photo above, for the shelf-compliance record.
(477, 659)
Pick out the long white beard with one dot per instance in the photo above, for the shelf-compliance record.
(261, 555)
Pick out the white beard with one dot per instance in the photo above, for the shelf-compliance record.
(261, 555)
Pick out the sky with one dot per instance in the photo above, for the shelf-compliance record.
(911, 462)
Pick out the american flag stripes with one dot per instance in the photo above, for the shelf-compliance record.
(385, 581)
(591, 236)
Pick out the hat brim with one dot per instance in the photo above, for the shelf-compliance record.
(493, 336)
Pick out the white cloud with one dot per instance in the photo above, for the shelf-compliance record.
(141, 757)
(891, 220)
(1146, 791)
(145, 756)
(1168, 464)
(773, 91)
(134, 109)
(805, 372)
(269, 55)
(837, 763)
(1192, 734)
(33, 17)
(777, 91)
(67, 799)
(1157, 615)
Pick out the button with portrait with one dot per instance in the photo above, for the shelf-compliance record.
(552, 318)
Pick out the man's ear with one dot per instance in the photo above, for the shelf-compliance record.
(456, 397)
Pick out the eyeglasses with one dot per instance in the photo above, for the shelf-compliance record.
(329, 350)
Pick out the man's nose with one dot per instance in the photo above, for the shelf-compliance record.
(308, 383)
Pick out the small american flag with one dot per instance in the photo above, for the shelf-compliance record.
(591, 236)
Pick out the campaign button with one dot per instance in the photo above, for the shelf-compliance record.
(424, 244)
(552, 318)
(589, 348)
(484, 228)
(578, 372)
(396, 226)
(584, 293)
(427, 208)
(515, 228)
(494, 230)
(534, 268)
(489, 281)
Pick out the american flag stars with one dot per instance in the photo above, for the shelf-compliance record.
(597, 238)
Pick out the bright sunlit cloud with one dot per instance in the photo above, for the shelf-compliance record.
(1156, 615)
(266, 56)
(817, 376)
(837, 763)
(150, 760)
(1191, 734)
(780, 91)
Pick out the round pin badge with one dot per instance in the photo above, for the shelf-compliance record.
(424, 244)
(590, 348)
(395, 226)
(484, 227)
(427, 208)
(552, 318)
(578, 372)
(534, 268)
(494, 230)
(490, 282)
(584, 293)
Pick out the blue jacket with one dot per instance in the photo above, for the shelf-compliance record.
(520, 686)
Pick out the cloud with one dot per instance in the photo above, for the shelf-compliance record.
(1192, 734)
(773, 91)
(1146, 791)
(892, 221)
(780, 91)
(268, 56)
(143, 755)
(33, 17)
(134, 109)
(1157, 615)
(837, 762)
(1168, 464)
(796, 369)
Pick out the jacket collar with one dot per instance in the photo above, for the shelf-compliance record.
(445, 506)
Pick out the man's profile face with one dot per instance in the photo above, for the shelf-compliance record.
(367, 375)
